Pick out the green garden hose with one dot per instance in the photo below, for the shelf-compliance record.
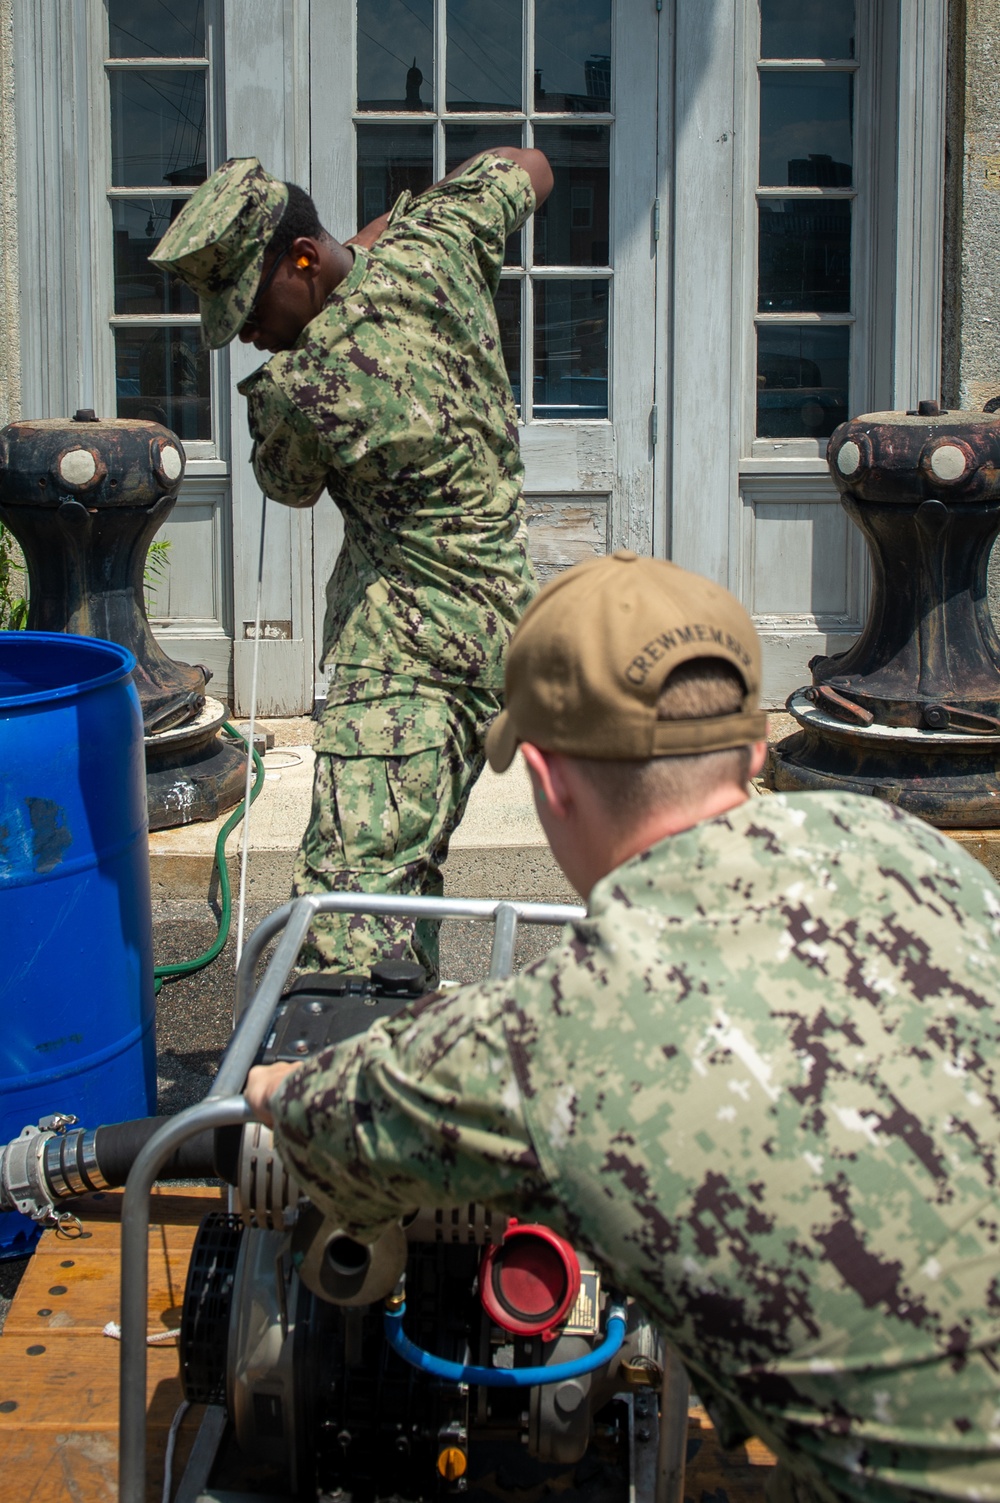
(188, 967)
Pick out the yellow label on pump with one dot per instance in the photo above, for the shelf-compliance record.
(452, 1463)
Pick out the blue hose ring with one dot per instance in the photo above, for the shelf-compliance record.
(503, 1377)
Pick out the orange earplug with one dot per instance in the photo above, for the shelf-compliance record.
(303, 261)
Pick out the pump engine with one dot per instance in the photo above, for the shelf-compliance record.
(462, 1353)
(298, 1330)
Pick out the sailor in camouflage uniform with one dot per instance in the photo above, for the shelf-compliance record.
(388, 389)
(758, 1082)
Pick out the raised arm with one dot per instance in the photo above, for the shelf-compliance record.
(535, 164)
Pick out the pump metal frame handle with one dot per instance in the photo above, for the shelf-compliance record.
(225, 1106)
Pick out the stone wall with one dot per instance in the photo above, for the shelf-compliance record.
(971, 312)
(10, 342)
(972, 261)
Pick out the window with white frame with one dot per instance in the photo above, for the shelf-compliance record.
(806, 221)
(162, 145)
(440, 80)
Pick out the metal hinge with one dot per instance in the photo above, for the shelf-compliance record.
(656, 219)
(654, 424)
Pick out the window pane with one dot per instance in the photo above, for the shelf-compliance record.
(162, 375)
(484, 55)
(395, 54)
(152, 28)
(571, 349)
(464, 141)
(157, 128)
(805, 256)
(571, 227)
(801, 381)
(139, 287)
(391, 158)
(807, 28)
(806, 135)
(508, 306)
(573, 55)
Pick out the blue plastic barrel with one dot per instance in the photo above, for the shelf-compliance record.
(77, 1007)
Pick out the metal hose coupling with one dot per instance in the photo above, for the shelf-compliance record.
(47, 1163)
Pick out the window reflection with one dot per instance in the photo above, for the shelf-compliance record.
(571, 349)
(157, 128)
(390, 159)
(806, 131)
(140, 287)
(484, 55)
(562, 359)
(804, 256)
(163, 375)
(395, 54)
(573, 55)
(802, 375)
(508, 308)
(571, 227)
(464, 141)
(807, 28)
(154, 28)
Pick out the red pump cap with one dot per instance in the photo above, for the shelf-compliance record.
(529, 1283)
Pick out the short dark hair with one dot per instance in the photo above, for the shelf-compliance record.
(699, 688)
(300, 218)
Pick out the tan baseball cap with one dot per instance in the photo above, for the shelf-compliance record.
(594, 649)
(217, 243)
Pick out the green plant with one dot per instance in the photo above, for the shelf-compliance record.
(157, 564)
(13, 584)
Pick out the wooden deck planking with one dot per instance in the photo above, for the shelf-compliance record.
(713, 1475)
(59, 1369)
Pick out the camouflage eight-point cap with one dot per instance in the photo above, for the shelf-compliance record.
(217, 243)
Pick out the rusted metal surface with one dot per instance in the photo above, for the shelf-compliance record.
(84, 498)
(911, 712)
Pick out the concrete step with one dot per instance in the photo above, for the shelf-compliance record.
(498, 850)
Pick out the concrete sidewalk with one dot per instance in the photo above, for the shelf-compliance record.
(498, 851)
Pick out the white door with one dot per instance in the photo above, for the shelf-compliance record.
(805, 287)
(404, 90)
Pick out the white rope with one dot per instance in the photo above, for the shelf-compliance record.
(114, 1330)
(245, 833)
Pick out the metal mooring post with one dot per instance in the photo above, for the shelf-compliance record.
(84, 498)
(911, 713)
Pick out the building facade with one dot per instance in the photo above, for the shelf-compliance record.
(768, 214)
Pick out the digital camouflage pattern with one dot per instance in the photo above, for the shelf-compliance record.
(396, 400)
(395, 761)
(216, 245)
(759, 1084)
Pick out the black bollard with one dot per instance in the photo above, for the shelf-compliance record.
(911, 712)
(84, 499)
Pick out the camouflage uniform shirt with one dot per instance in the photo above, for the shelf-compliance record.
(758, 1083)
(396, 399)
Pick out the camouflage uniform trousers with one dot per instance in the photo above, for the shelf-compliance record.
(393, 776)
